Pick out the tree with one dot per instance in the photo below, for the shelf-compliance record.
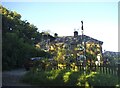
(19, 38)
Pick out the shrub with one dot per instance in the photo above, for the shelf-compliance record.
(67, 77)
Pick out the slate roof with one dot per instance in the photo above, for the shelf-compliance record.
(78, 39)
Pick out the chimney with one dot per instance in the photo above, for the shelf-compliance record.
(75, 33)
(55, 35)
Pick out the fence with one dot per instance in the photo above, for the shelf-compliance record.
(104, 69)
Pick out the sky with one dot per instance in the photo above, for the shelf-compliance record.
(100, 19)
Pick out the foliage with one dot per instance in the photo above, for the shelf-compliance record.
(103, 80)
(19, 40)
(67, 77)
(112, 57)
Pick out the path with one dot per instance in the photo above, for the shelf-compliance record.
(12, 78)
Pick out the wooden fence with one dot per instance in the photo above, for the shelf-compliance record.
(104, 69)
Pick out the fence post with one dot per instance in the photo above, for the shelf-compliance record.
(106, 66)
(109, 68)
(112, 67)
(103, 69)
(100, 68)
(118, 72)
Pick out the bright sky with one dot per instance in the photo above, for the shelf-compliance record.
(100, 18)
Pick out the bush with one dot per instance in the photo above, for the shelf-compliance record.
(103, 80)
(67, 77)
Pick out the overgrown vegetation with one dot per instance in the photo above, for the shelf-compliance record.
(65, 77)
(19, 38)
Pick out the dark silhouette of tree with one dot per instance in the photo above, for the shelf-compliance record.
(19, 38)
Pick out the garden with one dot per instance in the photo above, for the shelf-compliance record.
(69, 77)
(64, 70)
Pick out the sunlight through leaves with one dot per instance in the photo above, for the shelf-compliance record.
(66, 76)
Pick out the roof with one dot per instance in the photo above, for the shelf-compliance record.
(78, 39)
(111, 54)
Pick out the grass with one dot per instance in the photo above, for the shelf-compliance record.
(65, 77)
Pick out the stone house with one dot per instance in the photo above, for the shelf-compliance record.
(79, 46)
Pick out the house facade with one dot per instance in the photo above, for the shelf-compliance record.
(78, 47)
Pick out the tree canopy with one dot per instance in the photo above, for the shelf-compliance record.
(19, 38)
